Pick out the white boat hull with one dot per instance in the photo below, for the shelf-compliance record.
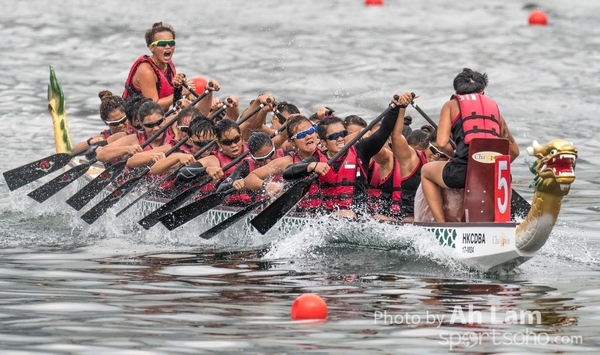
(481, 246)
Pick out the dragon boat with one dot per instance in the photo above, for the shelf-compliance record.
(487, 239)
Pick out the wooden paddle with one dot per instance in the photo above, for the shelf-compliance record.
(519, 205)
(101, 207)
(31, 172)
(185, 214)
(151, 219)
(284, 203)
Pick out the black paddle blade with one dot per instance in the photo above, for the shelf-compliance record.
(89, 191)
(519, 206)
(28, 173)
(101, 207)
(153, 218)
(231, 220)
(281, 206)
(50, 188)
(187, 213)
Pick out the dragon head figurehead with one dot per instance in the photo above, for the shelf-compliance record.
(554, 168)
(554, 171)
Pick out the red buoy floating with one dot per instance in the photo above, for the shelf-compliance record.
(309, 306)
(200, 83)
(373, 2)
(538, 18)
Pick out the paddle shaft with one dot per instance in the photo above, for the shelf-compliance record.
(185, 214)
(153, 218)
(426, 117)
(196, 155)
(101, 207)
(284, 203)
(89, 191)
(168, 214)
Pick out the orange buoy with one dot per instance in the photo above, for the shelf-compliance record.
(309, 306)
(200, 83)
(373, 2)
(538, 17)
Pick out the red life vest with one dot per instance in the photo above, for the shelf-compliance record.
(337, 188)
(311, 202)
(173, 187)
(480, 116)
(385, 195)
(164, 87)
(224, 160)
(410, 184)
(130, 130)
(245, 196)
(184, 148)
(280, 153)
(169, 136)
(106, 133)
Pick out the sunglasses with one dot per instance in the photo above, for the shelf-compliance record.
(201, 144)
(117, 122)
(184, 129)
(154, 124)
(303, 134)
(163, 43)
(335, 136)
(266, 157)
(231, 141)
(437, 152)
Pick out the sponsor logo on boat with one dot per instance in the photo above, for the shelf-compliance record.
(473, 238)
(486, 157)
(500, 240)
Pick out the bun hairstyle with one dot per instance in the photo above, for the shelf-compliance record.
(109, 103)
(156, 28)
(470, 82)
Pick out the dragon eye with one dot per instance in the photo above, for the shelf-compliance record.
(553, 151)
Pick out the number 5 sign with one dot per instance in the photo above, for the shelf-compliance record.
(502, 190)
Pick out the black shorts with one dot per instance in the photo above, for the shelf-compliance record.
(454, 175)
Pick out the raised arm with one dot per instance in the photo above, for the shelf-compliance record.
(371, 145)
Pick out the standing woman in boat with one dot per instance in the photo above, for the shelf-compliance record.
(483, 121)
(155, 76)
(112, 113)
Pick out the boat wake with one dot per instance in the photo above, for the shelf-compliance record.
(408, 243)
